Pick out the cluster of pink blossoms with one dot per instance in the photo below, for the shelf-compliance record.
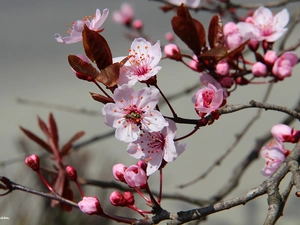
(275, 153)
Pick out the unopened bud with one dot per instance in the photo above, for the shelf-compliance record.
(129, 197)
(137, 24)
(33, 162)
(117, 199)
(71, 172)
(118, 172)
(90, 205)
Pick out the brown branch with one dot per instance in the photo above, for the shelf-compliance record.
(254, 104)
(59, 107)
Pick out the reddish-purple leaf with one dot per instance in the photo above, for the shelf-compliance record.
(36, 139)
(67, 147)
(215, 32)
(215, 54)
(101, 98)
(201, 33)
(53, 130)
(110, 75)
(188, 30)
(84, 70)
(96, 48)
(43, 127)
(67, 194)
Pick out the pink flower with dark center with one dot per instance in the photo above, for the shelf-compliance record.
(284, 133)
(143, 62)
(133, 112)
(124, 15)
(155, 147)
(274, 154)
(264, 26)
(208, 99)
(76, 31)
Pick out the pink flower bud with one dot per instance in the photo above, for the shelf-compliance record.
(234, 40)
(118, 172)
(172, 51)
(142, 165)
(71, 172)
(135, 176)
(270, 57)
(222, 68)
(129, 197)
(33, 161)
(117, 199)
(137, 24)
(253, 44)
(259, 69)
(283, 66)
(230, 28)
(193, 64)
(169, 36)
(90, 205)
(226, 82)
(284, 133)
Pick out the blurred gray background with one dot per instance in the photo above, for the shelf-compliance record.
(34, 66)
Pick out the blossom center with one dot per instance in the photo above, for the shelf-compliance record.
(207, 97)
(133, 115)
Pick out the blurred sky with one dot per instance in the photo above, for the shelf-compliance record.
(34, 66)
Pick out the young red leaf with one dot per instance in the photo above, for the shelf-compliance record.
(110, 75)
(188, 30)
(96, 48)
(215, 32)
(44, 127)
(67, 147)
(84, 70)
(36, 139)
(101, 98)
(53, 130)
(67, 194)
(215, 54)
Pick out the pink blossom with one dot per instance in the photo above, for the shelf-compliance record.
(188, 3)
(155, 147)
(133, 112)
(284, 133)
(206, 79)
(117, 199)
(143, 62)
(208, 99)
(264, 26)
(283, 66)
(124, 15)
(118, 171)
(259, 69)
(274, 154)
(77, 28)
(233, 38)
(270, 57)
(90, 205)
(135, 176)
